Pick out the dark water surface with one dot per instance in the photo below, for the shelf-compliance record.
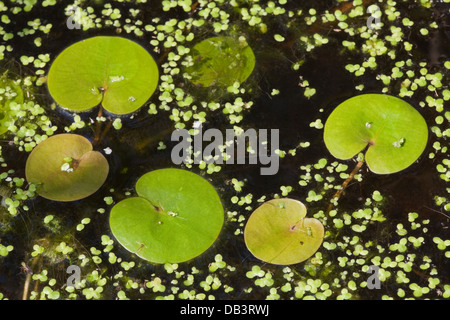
(134, 148)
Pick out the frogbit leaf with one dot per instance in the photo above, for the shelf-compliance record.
(176, 216)
(59, 180)
(395, 133)
(278, 232)
(113, 71)
(221, 61)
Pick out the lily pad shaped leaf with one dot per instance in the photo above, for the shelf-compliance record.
(278, 232)
(395, 133)
(114, 71)
(65, 168)
(221, 61)
(176, 216)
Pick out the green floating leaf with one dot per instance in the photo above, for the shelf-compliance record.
(113, 71)
(65, 168)
(177, 216)
(395, 133)
(10, 92)
(278, 232)
(221, 61)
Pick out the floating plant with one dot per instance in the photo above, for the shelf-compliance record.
(65, 168)
(114, 71)
(412, 255)
(278, 232)
(394, 133)
(221, 61)
(176, 216)
(10, 92)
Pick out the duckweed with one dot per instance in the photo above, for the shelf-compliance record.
(361, 231)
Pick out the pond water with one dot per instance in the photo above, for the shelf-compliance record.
(339, 268)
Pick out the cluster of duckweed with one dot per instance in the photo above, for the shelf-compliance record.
(408, 253)
(26, 124)
(340, 269)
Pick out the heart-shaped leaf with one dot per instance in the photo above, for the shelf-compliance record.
(65, 168)
(221, 61)
(394, 132)
(176, 217)
(113, 71)
(278, 232)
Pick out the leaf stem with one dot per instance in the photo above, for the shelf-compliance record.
(338, 193)
(28, 279)
(99, 134)
(98, 127)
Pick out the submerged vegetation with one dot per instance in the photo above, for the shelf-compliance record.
(299, 61)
